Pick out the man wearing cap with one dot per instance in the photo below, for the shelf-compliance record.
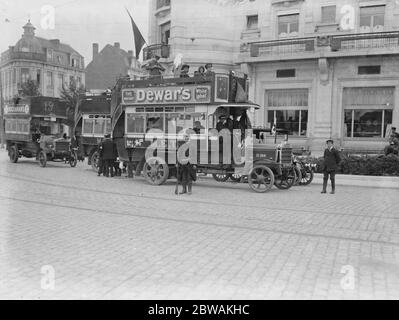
(331, 161)
(110, 154)
(208, 69)
(154, 67)
(184, 71)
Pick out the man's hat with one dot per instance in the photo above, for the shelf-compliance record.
(107, 135)
(208, 65)
(330, 140)
(185, 66)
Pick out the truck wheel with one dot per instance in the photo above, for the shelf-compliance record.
(220, 177)
(94, 161)
(13, 154)
(261, 178)
(156, 171)
(73, 159)
(286, 180)
(42, 159)
(307, 177)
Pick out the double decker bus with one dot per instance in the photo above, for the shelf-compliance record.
(92, 122)
(153, 119)
(35, 127)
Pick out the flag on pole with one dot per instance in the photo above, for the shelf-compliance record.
(138, 38)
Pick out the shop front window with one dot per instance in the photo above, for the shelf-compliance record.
(367, 111)
(367, 123)
(289, 109)
(293, 121)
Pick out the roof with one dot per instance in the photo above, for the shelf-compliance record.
(61, 47)
(108, 65)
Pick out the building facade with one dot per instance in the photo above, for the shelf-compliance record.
(109, 64)
(49, 63)
(320, 69)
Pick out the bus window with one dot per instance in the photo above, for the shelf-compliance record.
(135, 123)
(107, 126)
(155, 121)
(171, 123)
(99, 126)
(88, 126)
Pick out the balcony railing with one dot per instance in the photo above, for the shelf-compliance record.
(282, 47)
(360, 41)
(346, 43)
(27, 56)
(160, 49)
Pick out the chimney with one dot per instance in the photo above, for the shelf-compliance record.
(117, 45)
(95, 50)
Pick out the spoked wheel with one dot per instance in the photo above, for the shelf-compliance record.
(286, 180)
(261, 178)
(220, 177)
(94, 161)
(298, 175)
(13, 154)
(73, 159)
(235, 177)
(42, 159)
(307, 176)
(156, 171)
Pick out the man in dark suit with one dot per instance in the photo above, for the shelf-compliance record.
(110, 154)
(331, 161)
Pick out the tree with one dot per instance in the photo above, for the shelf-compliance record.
(71, 95)
(30, 89)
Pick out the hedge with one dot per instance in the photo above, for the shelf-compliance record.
(378, 165)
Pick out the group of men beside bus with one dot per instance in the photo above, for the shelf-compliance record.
(108, 155)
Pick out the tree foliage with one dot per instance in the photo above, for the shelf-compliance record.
(71, 94)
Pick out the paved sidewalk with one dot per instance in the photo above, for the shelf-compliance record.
(66, 233)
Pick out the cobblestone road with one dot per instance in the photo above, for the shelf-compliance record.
(100, 237)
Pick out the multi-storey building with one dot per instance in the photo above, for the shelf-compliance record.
(109, 64)
(50, 63)
(321, 68)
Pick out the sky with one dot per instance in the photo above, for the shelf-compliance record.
(79, 23)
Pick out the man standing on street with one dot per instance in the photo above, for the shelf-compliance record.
(331, 161)
(109, 155)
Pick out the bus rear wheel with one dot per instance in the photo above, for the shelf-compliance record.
(13, 154)
(42, 159)
(156, 171)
